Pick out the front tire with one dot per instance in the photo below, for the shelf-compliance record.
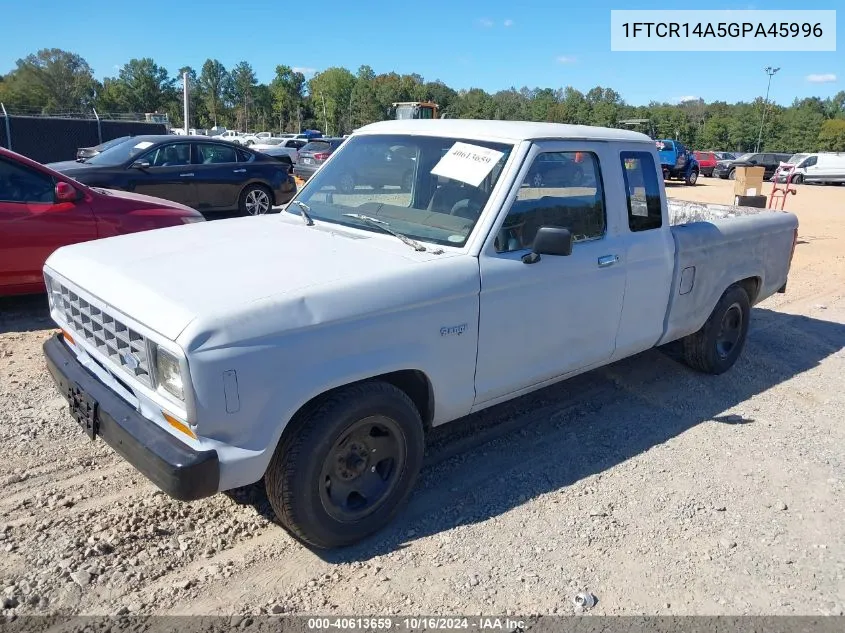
(716, 346)
(732, 174)
(692, 178)
(348, 466)
(255, 200)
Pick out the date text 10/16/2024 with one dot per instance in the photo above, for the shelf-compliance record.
(415, 623)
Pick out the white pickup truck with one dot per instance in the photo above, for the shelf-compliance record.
(315, 347)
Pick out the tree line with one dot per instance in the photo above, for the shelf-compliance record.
(337, 101)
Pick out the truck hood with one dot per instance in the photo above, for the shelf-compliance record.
(166, 278)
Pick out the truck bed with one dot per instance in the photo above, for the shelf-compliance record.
(716, 246)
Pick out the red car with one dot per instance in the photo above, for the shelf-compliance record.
(706, 162)
(41, 210)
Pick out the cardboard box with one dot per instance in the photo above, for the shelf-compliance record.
(749, 181)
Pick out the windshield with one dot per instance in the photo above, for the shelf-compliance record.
(120, 153)
(115, 141)
(428, 188)
(405, 112)
(746, 157)
(796, 158)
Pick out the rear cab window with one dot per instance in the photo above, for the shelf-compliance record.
(642, 191)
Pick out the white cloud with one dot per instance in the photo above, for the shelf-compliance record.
(486, 22)
(688, 98)
(304, 70)
(825, 78)
(565, 59)
(508, 23)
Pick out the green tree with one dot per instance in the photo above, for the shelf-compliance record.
(287, 92)
(243, 92)
(214, 82)
(51, 80)
(141, 86)
(331, 92)
(365, 106)
(832, 136)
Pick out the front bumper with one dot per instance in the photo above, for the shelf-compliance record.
(180, 471)
(721, 172)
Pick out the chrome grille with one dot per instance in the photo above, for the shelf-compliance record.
(123, 346)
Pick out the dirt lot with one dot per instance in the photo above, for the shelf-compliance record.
(660, 490)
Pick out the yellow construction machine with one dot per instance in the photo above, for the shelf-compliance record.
(416, 110)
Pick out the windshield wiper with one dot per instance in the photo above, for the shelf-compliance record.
(384, 226)
(303, 211)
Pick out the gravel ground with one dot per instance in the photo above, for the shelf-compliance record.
(659, 490)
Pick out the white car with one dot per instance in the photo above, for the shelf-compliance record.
(331, 337)
(279, 146)
(231, 136)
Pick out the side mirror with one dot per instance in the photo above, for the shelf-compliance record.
(65, 192)
(550, 240)
(139, 164)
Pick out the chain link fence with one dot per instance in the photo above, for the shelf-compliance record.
(56, 137)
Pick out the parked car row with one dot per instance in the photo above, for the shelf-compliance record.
(42, 209)
(126, 185)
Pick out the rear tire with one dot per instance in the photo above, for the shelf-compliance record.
(255, 200)
(348, 466)
(716, 346)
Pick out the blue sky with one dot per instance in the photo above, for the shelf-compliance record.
(465, 43)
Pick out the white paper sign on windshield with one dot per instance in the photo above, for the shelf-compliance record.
(468, 163)
(143, 145)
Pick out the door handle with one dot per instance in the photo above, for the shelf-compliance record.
(185, 175)
(608, 260)
(238, 171)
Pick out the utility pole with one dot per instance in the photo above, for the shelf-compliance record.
(185, 91)
(325, 118)
(770, 72)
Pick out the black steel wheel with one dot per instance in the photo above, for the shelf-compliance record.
(346, 466)
(362, 469)
(717, 345)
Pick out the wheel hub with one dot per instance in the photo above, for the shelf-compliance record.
(351, 461)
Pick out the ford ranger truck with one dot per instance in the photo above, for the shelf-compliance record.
(316, 347)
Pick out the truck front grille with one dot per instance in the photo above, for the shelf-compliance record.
(122, 345)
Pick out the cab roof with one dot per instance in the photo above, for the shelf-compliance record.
(512, 131)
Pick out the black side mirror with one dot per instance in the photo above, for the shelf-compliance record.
(550, 240)
(139, 164)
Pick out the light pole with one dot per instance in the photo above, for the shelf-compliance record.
(770, 72)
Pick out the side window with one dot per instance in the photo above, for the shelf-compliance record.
(21, 184)
(170, 155)
(562, 189)
(244, 156)
(642, 190)
(208, 154)
(811, 161)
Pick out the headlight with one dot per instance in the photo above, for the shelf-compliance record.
(168, 374)
(189, 219)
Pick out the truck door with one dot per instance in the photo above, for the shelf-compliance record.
(649, 253)
(560, 314)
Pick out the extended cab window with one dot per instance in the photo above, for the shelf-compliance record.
(562, 189)
(642, 191)
(19, 184)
